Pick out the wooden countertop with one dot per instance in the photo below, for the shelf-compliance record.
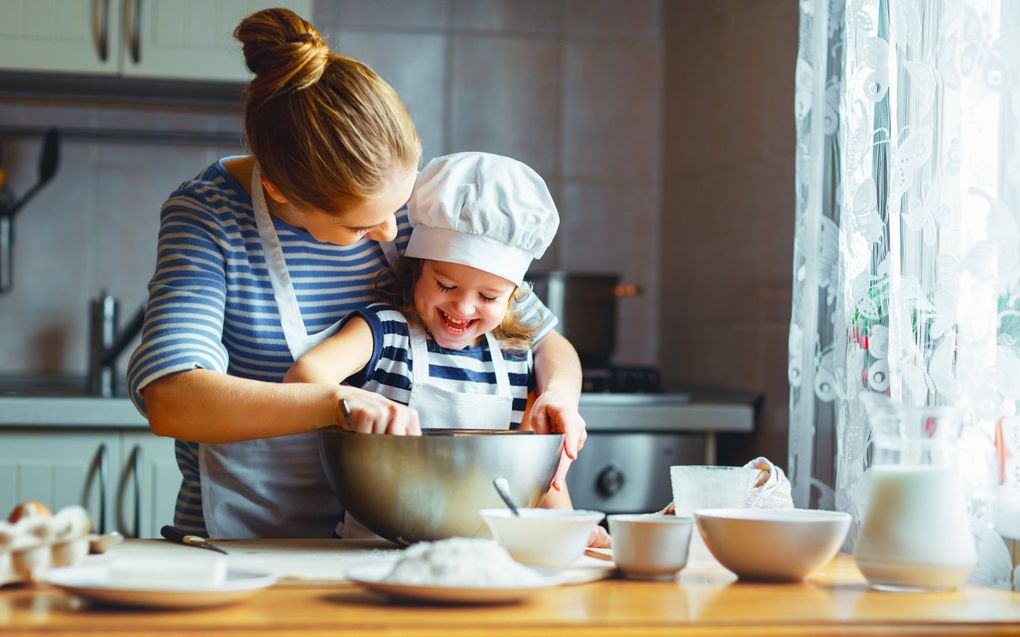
(701, 602)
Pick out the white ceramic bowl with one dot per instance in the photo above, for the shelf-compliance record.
(546, 538)
(772, 544)
(650, 546)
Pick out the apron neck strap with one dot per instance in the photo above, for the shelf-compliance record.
(283, 289)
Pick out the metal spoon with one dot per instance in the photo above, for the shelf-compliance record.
(503, 489)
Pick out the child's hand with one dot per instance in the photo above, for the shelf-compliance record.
(369, 413)
(599, 538)
(551, 413)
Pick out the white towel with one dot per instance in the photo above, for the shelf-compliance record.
(771, 488)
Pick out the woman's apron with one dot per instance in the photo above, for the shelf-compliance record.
(272, 487)
(442, 408)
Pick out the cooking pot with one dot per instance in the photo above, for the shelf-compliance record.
(586, 306)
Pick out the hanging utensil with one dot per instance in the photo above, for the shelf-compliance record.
(48, 161)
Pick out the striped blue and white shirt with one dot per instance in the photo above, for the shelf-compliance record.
(467, 371)
(211, 303)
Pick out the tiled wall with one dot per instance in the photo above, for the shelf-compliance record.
(727, 220)
(93, 227)
(572, 87)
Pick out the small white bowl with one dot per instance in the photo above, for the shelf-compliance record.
(782, 545)
(650, 546)
(546, 538)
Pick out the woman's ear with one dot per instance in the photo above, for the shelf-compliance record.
(273, 192)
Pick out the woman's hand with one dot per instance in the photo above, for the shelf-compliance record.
(599, 538)
(370, 413)
(553, 413)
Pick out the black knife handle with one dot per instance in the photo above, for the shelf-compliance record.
(173, 533)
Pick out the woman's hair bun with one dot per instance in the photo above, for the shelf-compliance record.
(283, 50)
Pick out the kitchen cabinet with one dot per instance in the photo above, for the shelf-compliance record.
(127, 480)
(147, 486)
(166, 39)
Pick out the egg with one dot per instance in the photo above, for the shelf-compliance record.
(29, 509)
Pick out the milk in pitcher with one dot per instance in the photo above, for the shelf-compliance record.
(916, 533)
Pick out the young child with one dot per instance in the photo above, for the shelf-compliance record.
(450, 345)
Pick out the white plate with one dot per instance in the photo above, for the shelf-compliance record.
(371, 576)
(93, 582)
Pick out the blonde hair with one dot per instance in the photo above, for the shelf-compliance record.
(323, 127)
(512, 331)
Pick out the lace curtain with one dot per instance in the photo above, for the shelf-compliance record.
(907, 252)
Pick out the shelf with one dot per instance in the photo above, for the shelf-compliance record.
(109, 88)
(129, 136)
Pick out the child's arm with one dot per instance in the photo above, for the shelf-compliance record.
(337, 358)
(555, 498)
(557, 375)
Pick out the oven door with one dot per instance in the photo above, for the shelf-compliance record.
(628, 472)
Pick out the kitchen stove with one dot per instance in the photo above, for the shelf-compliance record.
(633, 439)
(621, 379)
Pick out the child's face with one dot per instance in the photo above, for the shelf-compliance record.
(459, 303)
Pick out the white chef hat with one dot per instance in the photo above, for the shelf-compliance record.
(485, 211)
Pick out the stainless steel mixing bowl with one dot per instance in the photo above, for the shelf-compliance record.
(412, 489)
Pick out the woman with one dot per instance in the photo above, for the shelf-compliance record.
(241, 291)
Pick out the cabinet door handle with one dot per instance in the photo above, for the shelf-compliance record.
(131, 470)
(133, 26)
(97, 467)
(101, 28)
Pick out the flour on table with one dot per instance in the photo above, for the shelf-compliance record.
(461, 562)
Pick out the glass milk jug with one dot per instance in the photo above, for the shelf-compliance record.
(915, 533)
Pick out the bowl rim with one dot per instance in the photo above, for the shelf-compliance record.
(560, 515)
(651, 518)
(795, 515)
(443, 432)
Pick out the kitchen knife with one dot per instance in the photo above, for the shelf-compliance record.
(174, 534)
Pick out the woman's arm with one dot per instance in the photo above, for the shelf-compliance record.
(212, 407)
(208, 406)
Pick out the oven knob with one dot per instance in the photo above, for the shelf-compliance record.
(609, 481)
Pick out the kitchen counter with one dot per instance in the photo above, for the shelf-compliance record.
(602, 412)
(70, 412)
(702, 602)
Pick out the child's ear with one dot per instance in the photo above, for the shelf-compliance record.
(273, 192)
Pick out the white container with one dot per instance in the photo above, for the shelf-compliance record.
(773, 545)
(650, 546)
(546, 538)
(708, 487)
(915, 535)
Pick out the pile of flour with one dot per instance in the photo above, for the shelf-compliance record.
(461, 562)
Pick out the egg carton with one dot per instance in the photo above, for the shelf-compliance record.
(32, 545)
